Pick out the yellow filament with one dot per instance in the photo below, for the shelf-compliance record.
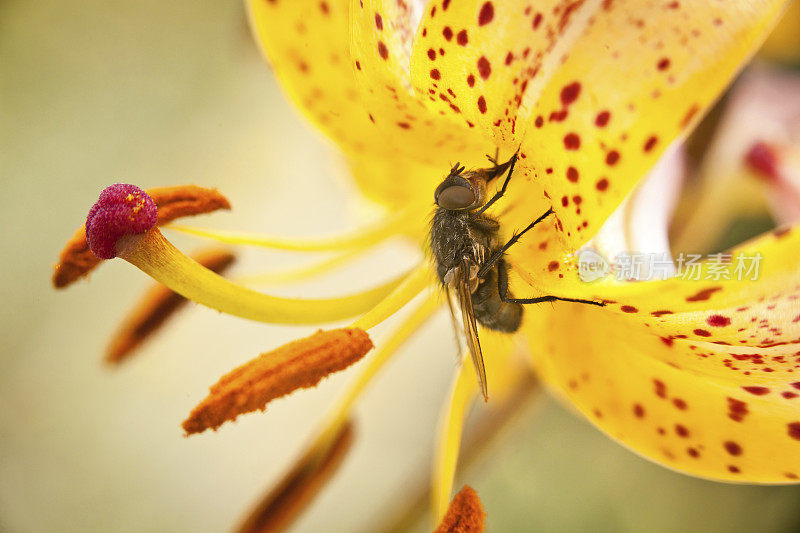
(463, 391)
(159, 259)
(369, 236)
(301, 273)
(411, 286)
(340, 414)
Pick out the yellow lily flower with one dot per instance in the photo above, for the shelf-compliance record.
(696, 375)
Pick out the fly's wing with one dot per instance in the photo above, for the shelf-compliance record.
(460, 286)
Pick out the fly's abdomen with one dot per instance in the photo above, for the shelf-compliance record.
(491, 311)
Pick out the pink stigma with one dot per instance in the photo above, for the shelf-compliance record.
(120, 210)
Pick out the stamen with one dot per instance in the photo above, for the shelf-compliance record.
(283, 504)
(336, 422)
(390, 226)
(77, 260)
(159, 259)
(465, 514)
(463, 391)
(299, 364)
(155, 307)
(303, 272)
(412, 323)
(411, 286)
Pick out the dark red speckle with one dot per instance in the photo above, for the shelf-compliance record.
(702, 333)
(484, 67)
(663, 64)
(572, 141)
(435, 74)
(718, 321)
(733, 448)
(486, 14)
(461, 38)
(794, 430)
(570, 93)
(482, 104)
(382, 50)
(650, 143)
(629, 309)
(572, 174)
(602, 184)
(602, 118)
(378, 21)
(758, 391)
(447, 32)
(703, 295)
(612, 157)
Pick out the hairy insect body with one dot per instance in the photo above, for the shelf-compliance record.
(459, 234)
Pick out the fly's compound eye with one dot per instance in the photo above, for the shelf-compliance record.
(455, 197)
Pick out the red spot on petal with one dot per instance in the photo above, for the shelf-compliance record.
(650, 143)
(702, 333)
(612, 157)
(382, 50)
(758, 391)
(553, 265)
(570, 93)
(461, 38)
(572, 174)
(572, 141)
(486, 14)
(718, 321)
(447, 32)
(602, 184)
(435, 74)
(482, 104)
(629, 309)
(794, 430)
(703, 295)
(484, 67)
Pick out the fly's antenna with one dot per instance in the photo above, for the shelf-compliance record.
(457, 169)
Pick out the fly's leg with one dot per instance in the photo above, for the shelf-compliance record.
(485, 267)
(502, 287)
(511, 162)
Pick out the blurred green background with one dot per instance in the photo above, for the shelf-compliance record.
(158, 93)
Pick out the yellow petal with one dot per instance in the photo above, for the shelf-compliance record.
(486, 62)
(604, 88)
(666, 403)
(637, 77)
(408, 125)
(307, 45)
(783, 44)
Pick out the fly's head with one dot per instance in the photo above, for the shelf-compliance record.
(461, 190)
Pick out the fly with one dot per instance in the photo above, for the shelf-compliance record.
(466, 247)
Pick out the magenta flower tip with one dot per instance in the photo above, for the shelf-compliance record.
(121, 209)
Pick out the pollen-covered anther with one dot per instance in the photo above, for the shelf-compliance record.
(299, 364)
(122, 209)
(465, 514)
(77, 260)
(156, 306)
